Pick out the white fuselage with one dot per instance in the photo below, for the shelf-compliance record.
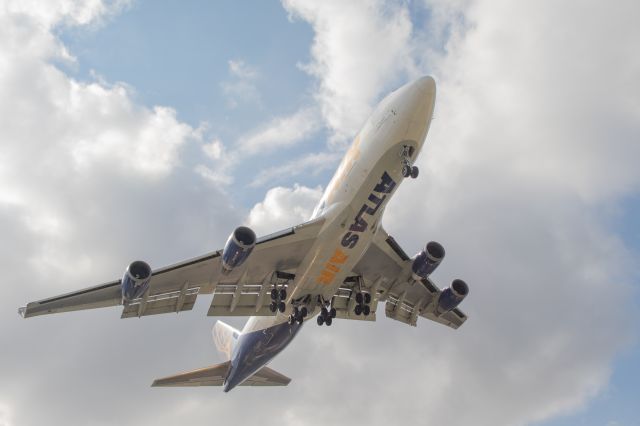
(354, 201)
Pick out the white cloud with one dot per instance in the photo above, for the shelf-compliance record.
(310, 165)
(218, 177)
(240, 69)
(280, 132)
(283, 207)
(358, 48)
(5, 415)
(213, 149)
(241, 89)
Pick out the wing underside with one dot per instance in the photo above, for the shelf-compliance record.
(386, 274)
(175, 288)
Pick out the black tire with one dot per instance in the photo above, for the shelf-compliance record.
(296, 311)
(274, 294)
(328, 321)
(299, 319)
(366, 310)
(414, 172)
(332, 313)
(274, 307)
(359, 298)
(324, 313)
(406, 170)
(367, 298)
(357, 310)
(292, 320)
(303, 312)
(283, 294)
(320, 320)
(282, 307)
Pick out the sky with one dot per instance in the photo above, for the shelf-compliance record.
(132, 129)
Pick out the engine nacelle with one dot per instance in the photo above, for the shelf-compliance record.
(238, 248)
(427, 261)
(135, 280)
(452, 296)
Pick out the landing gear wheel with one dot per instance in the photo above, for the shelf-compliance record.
(324, 313)
(273, 307)
(359, 298)
(367, 298)
(303, 312)
(406, 170)
(296, 312)
(299, 319)
(274, 294)
(292, 320)
(366, 310)
(332, 313)
(357, 310)
(283, 294)
(282, 307)
(320, 320)
(328, 321)
(414, 172)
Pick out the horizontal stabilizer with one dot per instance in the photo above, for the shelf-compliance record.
(215, 375)
(209, 376)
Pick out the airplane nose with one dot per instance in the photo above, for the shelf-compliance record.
(420, 101)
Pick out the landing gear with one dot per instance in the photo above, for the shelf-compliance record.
(407, 169)
(298, 315)
(363, 300)
(327, 313)
(278, 296)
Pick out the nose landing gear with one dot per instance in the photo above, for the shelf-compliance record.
(407, 169)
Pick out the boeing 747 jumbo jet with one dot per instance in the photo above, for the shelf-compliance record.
(339, 264)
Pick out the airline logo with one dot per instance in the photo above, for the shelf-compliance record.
(375, 201)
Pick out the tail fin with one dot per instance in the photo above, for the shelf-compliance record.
(225, 338)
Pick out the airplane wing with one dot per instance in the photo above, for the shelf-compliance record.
(215, 375)
(386, 272)
(175, 288)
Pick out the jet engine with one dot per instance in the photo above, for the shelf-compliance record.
(238, 248)
(452, 296)
(135, 280)
(427, 261)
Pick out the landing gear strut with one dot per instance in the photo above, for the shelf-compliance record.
(407, 169)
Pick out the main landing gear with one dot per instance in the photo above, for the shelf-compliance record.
(298, 315)
(278, 296)
(326, 315)
(407, 169)
(363, 300)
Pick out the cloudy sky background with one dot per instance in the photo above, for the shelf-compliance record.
(151, 129)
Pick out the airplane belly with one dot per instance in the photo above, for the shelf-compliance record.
(347, 235)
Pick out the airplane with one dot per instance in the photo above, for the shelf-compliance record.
(339, 264)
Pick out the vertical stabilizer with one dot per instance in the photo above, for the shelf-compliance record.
(225, 338)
